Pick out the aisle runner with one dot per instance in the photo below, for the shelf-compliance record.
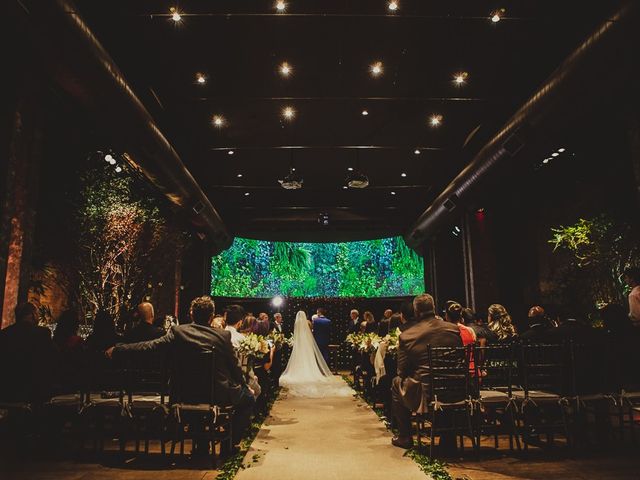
(326, 438)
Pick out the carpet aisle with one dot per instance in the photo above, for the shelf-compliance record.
(326, 438)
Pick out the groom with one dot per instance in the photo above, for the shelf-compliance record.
(322, 333)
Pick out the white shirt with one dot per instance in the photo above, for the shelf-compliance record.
(634, 305)
(236, 336)
(278, 327)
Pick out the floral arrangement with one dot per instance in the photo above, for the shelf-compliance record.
(289, 341)
(253, 345)
(392, 341)
(276, 339)
(364, 342)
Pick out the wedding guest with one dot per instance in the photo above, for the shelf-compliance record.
(570, 327)
(70, 351)
(198, 336)
(354, 321)
(276, 366)
(104, 333)
(261, 325)
(144, 329)
(407, 315)
(632, 279)
(369, 324)
(500, 323)
(322, 333)
(539, 326)
(233, 318)
(413, 364)
(394, 322)
(247, 325)
(65, 336)
(218, 322)
(276, 325)
(453, 314)
(383, 324)
(483, 334)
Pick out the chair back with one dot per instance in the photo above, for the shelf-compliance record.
(192, 378)
(146, 374)
(497, 367)
(448, 376)
(545, 367)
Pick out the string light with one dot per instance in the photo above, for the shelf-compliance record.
(393, 193)
(555, 154)
(201, 78)
(496, 15)
(417, 151)
(230, 152)
(350, 169)
(435, 120)
(376, 69)
(460, 78)
(365, 113)
(246, 194)
(288, 113)
(285, 69)
(546, 160)
(281, 6)
(561, 150)
(403, 174)
(239, 175)
(393, 5)
(218, 120)
(175, 14)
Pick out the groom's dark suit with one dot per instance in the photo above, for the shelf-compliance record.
(322, 334)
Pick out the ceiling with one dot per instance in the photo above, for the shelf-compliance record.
(330, 46)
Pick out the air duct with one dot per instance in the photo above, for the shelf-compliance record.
(591, 69)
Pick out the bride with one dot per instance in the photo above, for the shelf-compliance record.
(307, 373)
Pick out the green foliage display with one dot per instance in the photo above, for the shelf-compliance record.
(373, 268)
(599, 249)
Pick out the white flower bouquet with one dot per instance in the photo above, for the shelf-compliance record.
(253, 345)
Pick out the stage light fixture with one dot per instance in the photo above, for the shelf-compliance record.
(281, 6)
(175, 14)
(546, 160)
(118, 169)
(555, 154)
(497, 15)
(561, 150)
(350, 169)
(403, 174)
(435, 120)
(344, 187)
(230, 152)
(460, 78)
(288, 113)
(277, 301)
(108, 158)
(393, 5)
(392, 193)
(201, 78)
(365, 113)
(246, 194)
(239, 175)
(376, 69)
(285, 69)
(417, 151)
(218, 120)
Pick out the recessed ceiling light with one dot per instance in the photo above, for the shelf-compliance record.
(350, 169)
(403, 174)
(246, 194)
(393, 5)
(497, 15)
(218, 120)
(365, 113)
(435, 120)
(239, 175)
(201, 78)
(288, 113)
(460, 78)
(281, 6)
(285, 69)
(175, 14)
(561, 150)
(376, 69)
(392, 193)
(546, 160)
(555, 154)
(230, 152)
(417, 151)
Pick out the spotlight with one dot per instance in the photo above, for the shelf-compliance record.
(555, 154)
(417, 151)
(239, 175)
(175, 14)
(109, 158)
(288, 113)
(393, 5)
(497, 15)
(460, 78)
(344, 187)
(365, 113)
(546, 160)
(285, 69)
(403, 174)
(277, 301)
(281, 6)
(376, 69)
(350, 169)
(392, 193)
(230, 152)
(323, 219)
(201, 78)
(218, 120)
(246, 194)
(561, 150)
(435, 120)
(118, 169)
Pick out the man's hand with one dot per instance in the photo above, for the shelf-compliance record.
(109, 353)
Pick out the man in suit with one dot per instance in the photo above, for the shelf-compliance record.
(413, 363)
(276, 325)
(276, 365)
(322, 333)
(354, 322)
(145, 329)
(199, 336)
(28, 358)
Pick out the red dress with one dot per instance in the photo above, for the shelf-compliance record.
(468, 337)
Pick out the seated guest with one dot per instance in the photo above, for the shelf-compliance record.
(383, 324)
(500, 323)
(406, 315)
(261, 325)
(571, 328)
(66, 336)
(474, 322)
(453, 314)
(233, 317)
(218, 322)
(276, 325)
(144, 330)
(354, 322)
(539, 326)
(230, 387)
(104, 333)
(27, 356)
(394, 322)
(369, 325)
(247, 325)
(413, 363)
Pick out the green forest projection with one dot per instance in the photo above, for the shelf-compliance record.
(372, 268)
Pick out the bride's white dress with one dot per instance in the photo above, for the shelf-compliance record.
(307, 373)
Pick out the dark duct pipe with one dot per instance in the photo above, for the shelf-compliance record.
(82, 68)
(579, 81)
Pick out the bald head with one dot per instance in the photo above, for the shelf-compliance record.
(145, 312)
